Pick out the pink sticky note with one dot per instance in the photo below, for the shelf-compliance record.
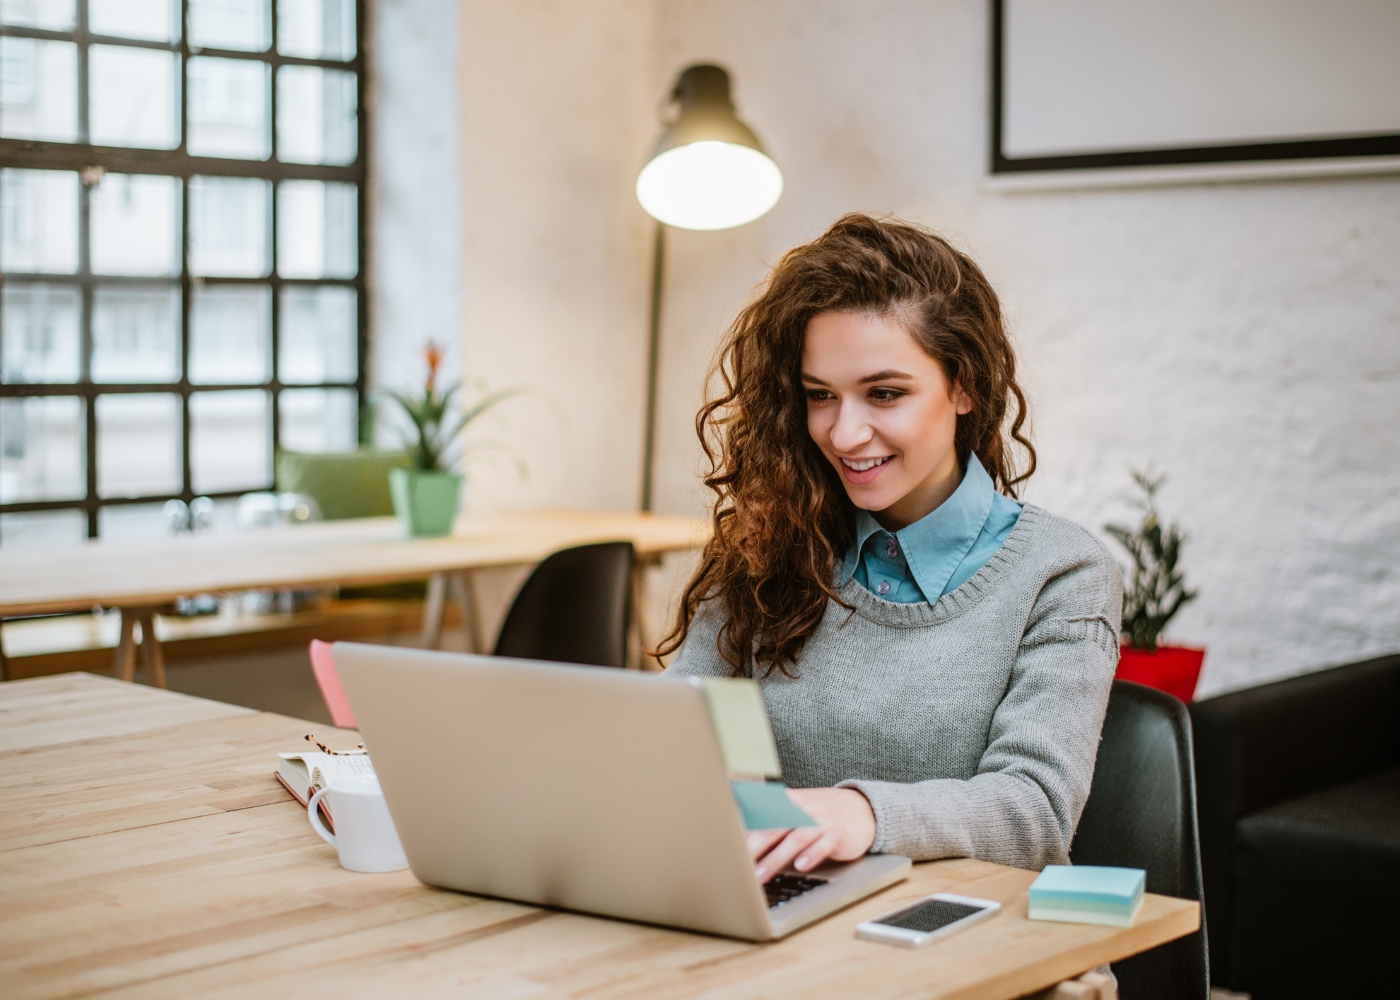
(323, 666)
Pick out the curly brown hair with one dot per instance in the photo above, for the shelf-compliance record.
(781, 518)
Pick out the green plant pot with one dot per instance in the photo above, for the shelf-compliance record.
(425, 502)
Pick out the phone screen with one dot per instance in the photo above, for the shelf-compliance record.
(929, 916)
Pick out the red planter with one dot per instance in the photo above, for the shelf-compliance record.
(1173, 669)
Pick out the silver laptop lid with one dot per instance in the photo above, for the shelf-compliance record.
(585, 788)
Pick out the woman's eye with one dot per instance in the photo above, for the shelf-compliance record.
(817, 395)
(883, 395)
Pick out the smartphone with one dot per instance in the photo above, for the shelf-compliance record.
(929, 919)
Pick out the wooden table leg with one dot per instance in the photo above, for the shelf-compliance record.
(432, 611)
(1090, 986)
(125, 666)
(151, 654)
(464, 591)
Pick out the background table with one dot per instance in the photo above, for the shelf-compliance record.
(142, 577)
(147, 851)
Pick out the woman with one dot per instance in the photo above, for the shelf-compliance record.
(935, 657)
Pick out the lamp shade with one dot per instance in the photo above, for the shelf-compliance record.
(709, 170)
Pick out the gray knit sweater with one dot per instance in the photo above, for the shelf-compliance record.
(970, 724)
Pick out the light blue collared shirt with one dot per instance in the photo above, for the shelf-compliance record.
(940, 551)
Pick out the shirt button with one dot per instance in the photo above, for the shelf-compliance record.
(883, 589)
(892, 548)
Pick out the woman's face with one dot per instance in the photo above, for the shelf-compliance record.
(883, 413)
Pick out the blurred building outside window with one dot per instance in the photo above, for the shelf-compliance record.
(181, 292)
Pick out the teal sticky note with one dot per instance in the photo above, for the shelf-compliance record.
(765, 806)
(1087, 894)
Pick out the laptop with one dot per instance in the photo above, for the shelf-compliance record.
(584, 788)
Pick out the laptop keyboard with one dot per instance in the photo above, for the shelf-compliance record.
(782, 888)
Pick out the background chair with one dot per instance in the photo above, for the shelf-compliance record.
(343, 484)
(574, 608)
(1141, 813)
(1300, 832)
(328, 680)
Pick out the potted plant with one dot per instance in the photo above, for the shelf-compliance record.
(427, 495)
(1154, 591)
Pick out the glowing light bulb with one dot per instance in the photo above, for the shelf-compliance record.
(709, 185)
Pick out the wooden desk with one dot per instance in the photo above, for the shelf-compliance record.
(141, 577)
(146, 852)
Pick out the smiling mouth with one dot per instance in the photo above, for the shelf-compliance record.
(865, 464)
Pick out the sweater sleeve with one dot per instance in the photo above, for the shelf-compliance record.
(1023, 804)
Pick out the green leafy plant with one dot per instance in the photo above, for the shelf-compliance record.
(1155, 590)
(435, 417)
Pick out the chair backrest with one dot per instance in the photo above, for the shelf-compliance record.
(328, 679)
(574, 608)
(343, 484)
(1141, 813)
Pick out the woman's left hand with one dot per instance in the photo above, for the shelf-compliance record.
(845, 830)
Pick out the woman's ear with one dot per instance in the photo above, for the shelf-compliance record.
(960, 400)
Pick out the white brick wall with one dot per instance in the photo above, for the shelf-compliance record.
(1245, 338)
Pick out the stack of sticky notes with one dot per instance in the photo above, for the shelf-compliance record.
(1087, 894)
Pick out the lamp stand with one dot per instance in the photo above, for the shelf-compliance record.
(658, 263)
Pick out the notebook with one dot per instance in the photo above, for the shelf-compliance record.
(305, 773)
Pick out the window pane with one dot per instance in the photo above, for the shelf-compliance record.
(319, 419)
(230, 24)
(38, 89)
(230, 335)
(55, 15)
(133, 97)
(228, 108)
(43, 527)
(230, 440)
(315, 115)
(41, 449)
(229, 226)
(318, 336)
(316, 230)
(135, 220)
(156, 20)
(40, 329)
(316, 29)
(133, 521)
(138, 445)
(40, 219)
(136, 335)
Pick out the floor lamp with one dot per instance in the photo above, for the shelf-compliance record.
(708, 171)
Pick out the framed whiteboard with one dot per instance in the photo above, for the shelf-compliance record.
(1089, 84)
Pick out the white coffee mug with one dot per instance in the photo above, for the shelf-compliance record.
(364, 831)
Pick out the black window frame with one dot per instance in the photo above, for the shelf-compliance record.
(1246, 152)
(83, 157)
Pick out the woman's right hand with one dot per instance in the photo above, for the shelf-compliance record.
(844, 830)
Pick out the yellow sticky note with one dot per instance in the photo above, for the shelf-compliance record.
(741, 723)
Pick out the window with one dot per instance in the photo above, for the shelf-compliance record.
(181, 250)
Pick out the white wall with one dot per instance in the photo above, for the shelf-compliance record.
(1244, 338)
(558, 113)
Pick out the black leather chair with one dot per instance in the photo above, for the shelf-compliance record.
(1141, 813)
(574, 608)
(1300, 832)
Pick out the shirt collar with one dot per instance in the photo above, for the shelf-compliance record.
(937, 543)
